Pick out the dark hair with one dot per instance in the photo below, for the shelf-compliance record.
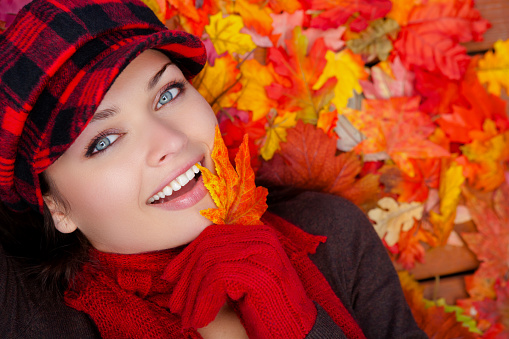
(50, 257)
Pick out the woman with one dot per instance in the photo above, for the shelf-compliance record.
(101, 137)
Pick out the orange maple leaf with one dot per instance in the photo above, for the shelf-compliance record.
(410, 247)
(186, 15)
(416, 188)
(397, 127)
(296, 73)
(238, 199)
(308, 160)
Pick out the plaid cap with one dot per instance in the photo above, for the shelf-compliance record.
(57, 60)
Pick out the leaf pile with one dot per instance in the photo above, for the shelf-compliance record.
(373, 100)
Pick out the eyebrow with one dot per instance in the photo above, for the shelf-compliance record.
(104, 114)
(155, 79)
(110, 112)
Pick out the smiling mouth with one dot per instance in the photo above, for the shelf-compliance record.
(178, 186)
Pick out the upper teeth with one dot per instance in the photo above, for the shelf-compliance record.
(176, 184)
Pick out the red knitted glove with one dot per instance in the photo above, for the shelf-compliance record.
(245, 265)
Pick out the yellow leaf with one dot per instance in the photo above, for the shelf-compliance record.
(255, 15)
(219, 83)
(487, 156)
(234, 192)
(348, 69)
(225, 34)
(277, 133)
(255, 78)
(390, 219)
(451, 180)
(493, 68)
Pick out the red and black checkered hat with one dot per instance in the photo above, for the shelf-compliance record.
(57, 60)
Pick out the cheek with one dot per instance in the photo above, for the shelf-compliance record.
(103, 192)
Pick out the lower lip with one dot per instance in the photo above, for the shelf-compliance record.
(187, 200)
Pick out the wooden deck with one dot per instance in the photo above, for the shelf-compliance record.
(497, 12)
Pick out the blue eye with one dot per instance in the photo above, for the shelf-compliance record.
(167, 96)
(101, 143)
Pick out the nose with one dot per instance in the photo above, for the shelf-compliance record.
(165, 141)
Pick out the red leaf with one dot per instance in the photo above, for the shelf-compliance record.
(308, 160)
(471, 109)
(432, 38)
(234, 124)
(495, 312)
(337, 12)
(438, 92)
(491, 242)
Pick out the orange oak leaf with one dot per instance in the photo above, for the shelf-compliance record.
(337, 12)
(308, 160)
(431, 39)
(238, 199)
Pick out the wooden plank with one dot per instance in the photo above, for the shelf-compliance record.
(497, 13)
(449, 288)
(444, 260)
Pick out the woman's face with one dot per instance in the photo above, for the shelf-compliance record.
(148, 132)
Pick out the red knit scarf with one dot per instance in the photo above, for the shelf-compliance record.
(126, 297)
